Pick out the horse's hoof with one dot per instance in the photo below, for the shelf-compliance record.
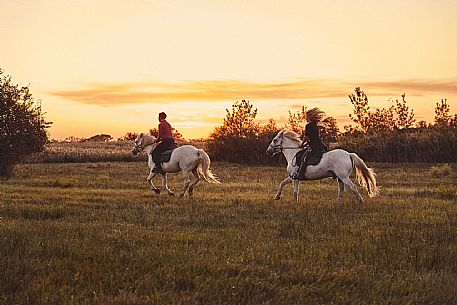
(171, 194)
(157, 191)
(191, 194)
(277, 197)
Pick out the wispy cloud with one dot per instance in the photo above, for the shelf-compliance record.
(109, 94)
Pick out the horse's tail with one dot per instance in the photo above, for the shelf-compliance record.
(205, 163)
(365, 175)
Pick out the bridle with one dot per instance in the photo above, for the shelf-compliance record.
(139, 147)
(279, 148)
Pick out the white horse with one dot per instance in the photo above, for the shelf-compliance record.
(335, 163)
(186, 159)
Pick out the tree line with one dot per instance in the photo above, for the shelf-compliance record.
(379, 135)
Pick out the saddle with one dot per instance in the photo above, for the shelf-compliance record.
(313, 159)
(166, 155)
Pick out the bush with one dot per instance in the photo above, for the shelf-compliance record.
(413, 145)
(441, 170)
(22, 125)
(240, 139)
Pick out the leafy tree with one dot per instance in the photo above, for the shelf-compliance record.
(297, 120)
(382, 120)
(129, 136)
(240, 139)
(443, 117)
(397, 116)
(379, 139)
(239, 122)
(23, 129)
(100, 138)
(421, 125)
(405, 117)
(329, 130)
(361, 110)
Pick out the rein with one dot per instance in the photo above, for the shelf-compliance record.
(291, 147)
(281, 148)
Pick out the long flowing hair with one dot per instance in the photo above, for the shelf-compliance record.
(315, 115)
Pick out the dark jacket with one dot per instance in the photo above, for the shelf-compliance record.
(314, 141)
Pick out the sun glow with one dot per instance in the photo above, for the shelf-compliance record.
(110, 66)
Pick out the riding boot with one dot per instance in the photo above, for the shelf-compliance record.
(301, 172)
(157, 168)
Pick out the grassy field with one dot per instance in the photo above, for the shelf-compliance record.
(93, 233)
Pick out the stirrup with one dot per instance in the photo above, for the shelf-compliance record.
(296, 176)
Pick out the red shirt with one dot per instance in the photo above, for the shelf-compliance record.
(165, 131)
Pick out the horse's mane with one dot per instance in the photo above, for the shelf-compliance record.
(148, 139)
(291, 135)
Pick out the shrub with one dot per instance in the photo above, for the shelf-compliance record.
(22, 125)
(441, 170)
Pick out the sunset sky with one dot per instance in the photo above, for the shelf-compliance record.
(107, 66)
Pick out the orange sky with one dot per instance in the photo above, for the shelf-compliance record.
(105, 66)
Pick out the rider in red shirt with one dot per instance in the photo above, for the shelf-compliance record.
(165, 140)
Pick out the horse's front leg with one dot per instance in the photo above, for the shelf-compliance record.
(149, 179)
(165, 184)
(185, 175)
(296, 184)
(281, 187)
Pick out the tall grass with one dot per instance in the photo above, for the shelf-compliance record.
(94, 234)
(84, 152)
(92, 152)
(420, 145)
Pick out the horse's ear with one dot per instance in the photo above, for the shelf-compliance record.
(141, 135)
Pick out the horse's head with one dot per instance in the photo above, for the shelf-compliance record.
(141, 142)
(285, 139)
(276, 144)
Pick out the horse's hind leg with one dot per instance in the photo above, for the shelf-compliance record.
(353, 188)
(281, 187)
(340, 190)
(197, 179)
(185, 175)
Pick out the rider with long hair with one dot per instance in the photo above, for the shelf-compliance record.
(165, 140)
(312, 138)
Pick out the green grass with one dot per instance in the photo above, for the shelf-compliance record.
(95, 234)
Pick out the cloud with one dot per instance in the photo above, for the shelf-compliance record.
(109, 94)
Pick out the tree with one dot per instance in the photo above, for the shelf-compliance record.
(240, 139)
(361, 110)
(329, 130)
(23, 129)
(100, 138)
(129, 136)
(239, 122)
(397, 116)
(442, 114)
(297, 120)
(405, 117)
